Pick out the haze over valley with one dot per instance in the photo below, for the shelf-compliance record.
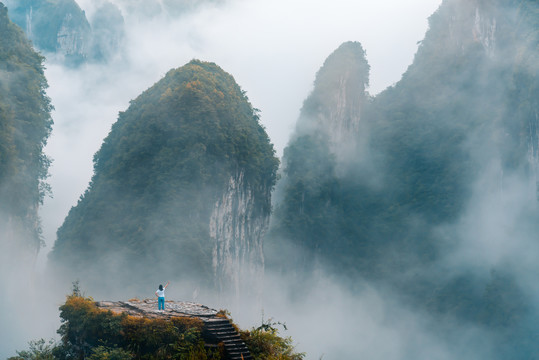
(366, 174)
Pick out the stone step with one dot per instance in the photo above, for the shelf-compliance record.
(221, 329)
(224, 331)
(223, 336)
(217, 323)
(235, 344)
(239, 357)
(243, 350)
(217, 320)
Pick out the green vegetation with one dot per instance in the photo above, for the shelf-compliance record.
(38, 350)
(159, 173)
(390, 214)
(264, 343)
(25, 124)
(88, 332)
(93, 333)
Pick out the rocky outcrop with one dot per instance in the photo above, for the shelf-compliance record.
(148, 308)
(468, 23)
(484, 31)
(335, 106)
(217, 329)
(71, 39)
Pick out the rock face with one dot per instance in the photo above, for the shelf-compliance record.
(181, 185)
(71, 40)
(470, 22)
(335, 106)
(484, 31)
(62, 28)
(237, 229)
(54, 26)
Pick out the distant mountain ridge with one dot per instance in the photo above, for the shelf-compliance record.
(446, 151)
(62, 28)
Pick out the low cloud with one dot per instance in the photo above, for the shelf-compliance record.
(273, 49)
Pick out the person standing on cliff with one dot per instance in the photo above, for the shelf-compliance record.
(160, 293)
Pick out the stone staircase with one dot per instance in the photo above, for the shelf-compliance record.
(220, 330)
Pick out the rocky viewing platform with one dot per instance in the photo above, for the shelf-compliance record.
(218, 330)
(148, 308)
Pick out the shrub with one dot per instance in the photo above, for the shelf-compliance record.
(105, 353)
(38, 350)
(264, 343)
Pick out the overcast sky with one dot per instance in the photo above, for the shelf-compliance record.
(272, 48)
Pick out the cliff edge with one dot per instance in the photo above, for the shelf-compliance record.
(217, 331)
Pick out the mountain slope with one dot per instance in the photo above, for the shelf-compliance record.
(330, 129)
(438, 204)
(181, 186)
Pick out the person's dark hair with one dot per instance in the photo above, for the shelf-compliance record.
(160, 287)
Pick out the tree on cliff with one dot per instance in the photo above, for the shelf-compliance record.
(25, 124)
(159, 175)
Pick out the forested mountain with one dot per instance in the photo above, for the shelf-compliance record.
(25, 124)
(328, 132)
(181, 188)
(447, 155)
(62, 27)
